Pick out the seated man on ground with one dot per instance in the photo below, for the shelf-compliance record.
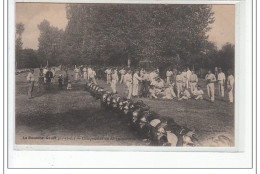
(169, 93)
(197, 93)
(185, 94)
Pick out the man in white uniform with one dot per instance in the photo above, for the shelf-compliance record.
(31, 79)
(230, 86)
(210, 79)
(179, 82)
(92, 76)
(188, 73)
(114, 81)
(136, 80)
(85, 73)
(122, 72)
(221, 82)
(193, 81)
(76, 70)
(129, 84)
(108, 72)
(89, 72)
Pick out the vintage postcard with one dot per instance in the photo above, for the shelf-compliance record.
(108, 74)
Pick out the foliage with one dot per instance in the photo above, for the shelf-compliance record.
(50, 42)
(114, 33)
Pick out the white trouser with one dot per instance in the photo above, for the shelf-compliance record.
(76, 76)
(135, 89)
(122, 78)
(179, 88)
(113, 86)
(108, 78)
(221, 88)
(129, 89)
(211, 91)
(85, 75)
(231, 95)
(168, 79)
(192, 86)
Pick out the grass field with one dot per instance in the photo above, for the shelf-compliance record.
(75, 118)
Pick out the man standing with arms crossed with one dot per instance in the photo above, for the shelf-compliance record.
(221, 82)
(210, 79)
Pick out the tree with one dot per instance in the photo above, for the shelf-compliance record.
(117, 33)
(50, 43)
(18, 43)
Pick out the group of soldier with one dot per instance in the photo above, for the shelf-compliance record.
(182, 85)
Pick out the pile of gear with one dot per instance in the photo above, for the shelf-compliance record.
(160, 131)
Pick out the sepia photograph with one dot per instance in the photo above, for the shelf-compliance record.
(111, 74)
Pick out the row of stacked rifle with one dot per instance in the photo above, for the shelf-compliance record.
(158, 130)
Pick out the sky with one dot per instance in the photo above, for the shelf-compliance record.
(32, 14)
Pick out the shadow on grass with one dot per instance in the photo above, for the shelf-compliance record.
(91, 120)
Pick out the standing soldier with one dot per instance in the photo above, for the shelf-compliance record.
(193, 81)
(92, 76)
(108, 72)
(129, 82)
(114, 81)
(89, 72)
(53, 72)
(179, 82)
(188, 77)
(184, 78)
(210, 78)
(169, 74)
(49, 76)
(40, 80)
(76, 70)
(216, 71)
(221, 82)
(136, 80)
(122, 72)
(85, 74)
(45, 70)
(230, 86)
(31, 80)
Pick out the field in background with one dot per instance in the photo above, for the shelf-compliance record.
(74, 117)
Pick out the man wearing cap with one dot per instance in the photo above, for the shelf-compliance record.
(136, 80)
(221, 82)
(210, 79)
(31, 79)
(193, 81)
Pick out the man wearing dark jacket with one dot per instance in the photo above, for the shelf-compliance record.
(49, 76)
